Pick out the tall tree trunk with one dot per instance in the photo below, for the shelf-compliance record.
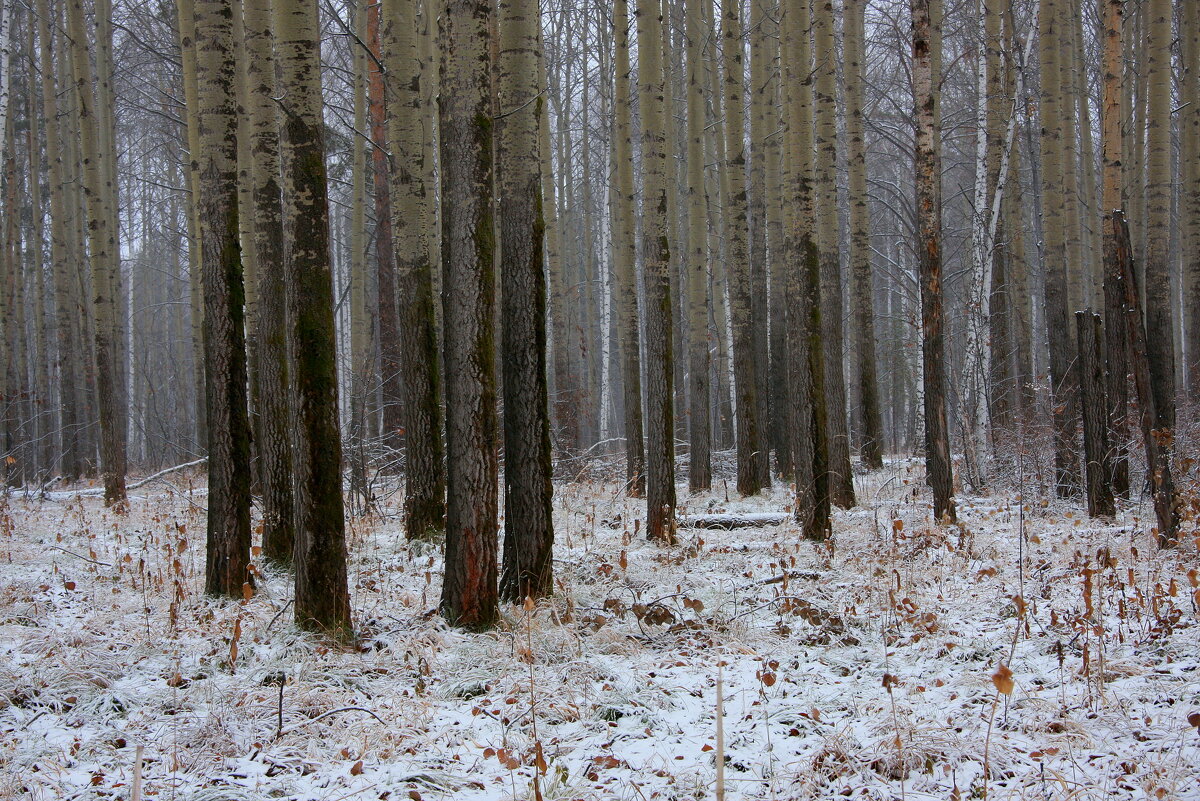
(699, 428)
(361, 364)
(1160, 323)
(860, 237)
(938, 468)
(624, 257)
(805, 355)
(106, 272)
(841, 476)
(468, 253)
(753, 453)
(275, 421)
(1063, 378)
(187, 53)
(322, 597)
(1098, 470)
(656, 255)
(528, 523)
(228, 549)
(67, 315)
(390, 346)
(1157, 443)
(424, 472)
(1116, 344)
(1189, 158)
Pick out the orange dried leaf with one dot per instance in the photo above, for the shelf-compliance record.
(1003, 679)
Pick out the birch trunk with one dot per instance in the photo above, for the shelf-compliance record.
(753, 465)
(528, 524)
(860, 237)
(624, 256)
(938, 468)
(275, 422)
(699, 424)
(656, 255)
(322, 599)
(468, 260)
(424, 472)
(105, 256)
(805, 356)
(228, 522)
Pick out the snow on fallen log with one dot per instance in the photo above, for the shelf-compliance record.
(734, 520)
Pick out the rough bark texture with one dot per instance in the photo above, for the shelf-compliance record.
(274, 414)
(67, 314)
(841, 476)
(468, 253)
(424, 471)
(390, 346)
(228, 548)
(656, 255)
(106, 266)
(805, 360)
(1160, 318)
(696, 271)
(1116, 345)
(871, 448)
(624, 255)
(1189, 202)
(938, 468)
(322, 598)
(1156, 441)
(753, 454)
(1063, 378)
(187, 58)
(528, 524)
(1097, 469)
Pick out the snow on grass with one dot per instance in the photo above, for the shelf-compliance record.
(859, 669)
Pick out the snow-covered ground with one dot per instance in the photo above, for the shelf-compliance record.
(869, 668)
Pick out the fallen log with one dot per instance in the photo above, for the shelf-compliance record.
(734, 520)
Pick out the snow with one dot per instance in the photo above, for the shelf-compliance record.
(861, 669)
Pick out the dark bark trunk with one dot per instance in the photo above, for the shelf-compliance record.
(1157, 441)
(469, 590)
(1098, 468)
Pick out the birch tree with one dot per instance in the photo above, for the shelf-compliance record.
(228, 548)
(656, 255)
(528, 520)
(469, 591)
(322, 598)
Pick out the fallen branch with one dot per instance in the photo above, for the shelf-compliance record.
(324, 715)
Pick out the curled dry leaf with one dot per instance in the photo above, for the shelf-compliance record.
(1003, 679)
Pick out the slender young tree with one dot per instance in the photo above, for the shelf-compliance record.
(624, 256)
(424, 473)
(528, 492)
(656, 255)
(699, 424)
(274, 421)
(228, 551)
(929, 260)
(322, 596)
(104, 249)
(753, 465)
(469, 592)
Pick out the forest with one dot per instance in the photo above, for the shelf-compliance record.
(581, 399)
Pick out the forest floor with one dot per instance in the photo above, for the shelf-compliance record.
(1027, 653)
